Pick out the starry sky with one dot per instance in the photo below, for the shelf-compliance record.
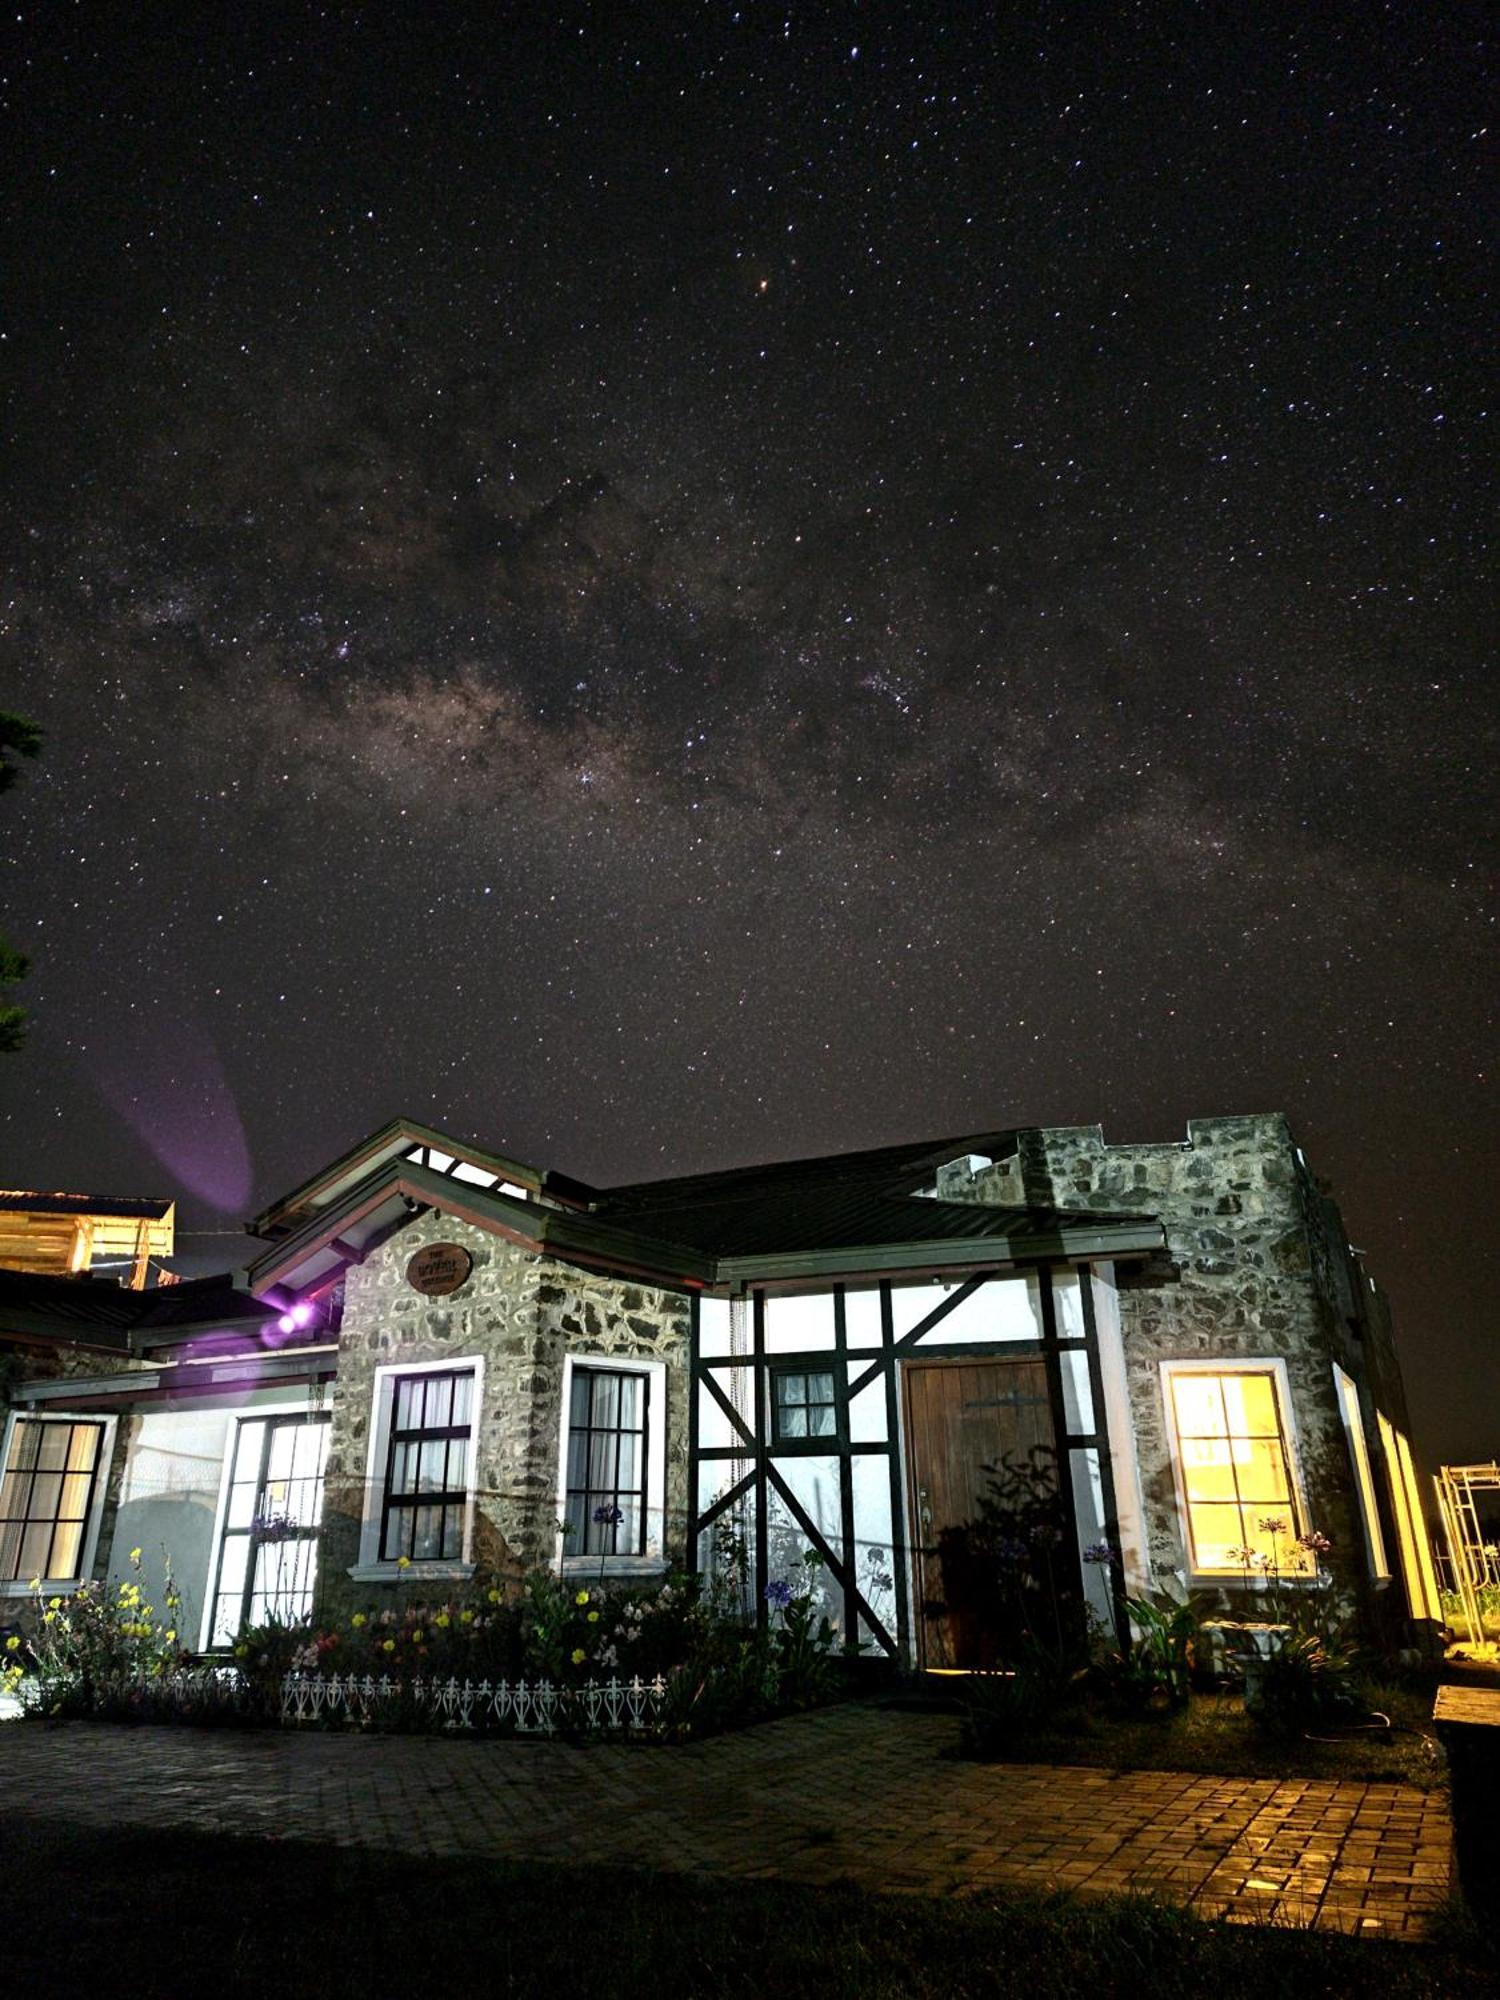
(667, 586)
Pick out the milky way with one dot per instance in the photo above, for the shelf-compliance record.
(668, 589)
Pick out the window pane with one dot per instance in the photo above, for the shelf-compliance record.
(52, 1451)
(1251, 1403)
(439, 1412)
(630, 1417)
(606, 1401)
(1262, 1471)
(407, 1388)
(628, 1470)
(1207, 1469)
(26, 1443)
(791, 1389)
(10, 1554)
(83, 1448)
(279, 1462)
(820, 1389)
(823, 1421)
(463, 1386)
(13, 1494)
(66, 1545)
(579, 1413)
(427, 1542)
(36, 1542)
(458, 1465)
(76, 1487)
(1216, 1534)
(794, 1423)
(46, 1491)
(1199, 1405)
(432, 1476)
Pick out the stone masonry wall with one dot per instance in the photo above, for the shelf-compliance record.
(1252, 1270)
(522, 1313)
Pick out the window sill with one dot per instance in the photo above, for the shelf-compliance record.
(415, 1572)
(608, 1566)
(50, 1586)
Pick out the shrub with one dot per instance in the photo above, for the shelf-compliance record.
(85, 1651)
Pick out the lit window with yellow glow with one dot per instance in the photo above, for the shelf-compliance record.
(1235, 1470)
(1411, 1524)
(1354, 1430)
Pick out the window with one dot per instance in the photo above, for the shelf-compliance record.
(1359, 1453)
(427, 1468)
(803, 1404)
(606, 1499)
(420, 1491)
(1411, 1524)
(268, 1541)
(612, 1465)
(50, 1499)
(1234, 1468)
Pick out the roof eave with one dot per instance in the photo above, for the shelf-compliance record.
(881, 1260)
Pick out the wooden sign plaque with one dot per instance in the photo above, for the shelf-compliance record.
(439, 1269)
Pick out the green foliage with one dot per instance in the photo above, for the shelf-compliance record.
(1022, 1544)
(1004, 1711)
(1305, 1680)
(83, 1649)
(1155, 1670)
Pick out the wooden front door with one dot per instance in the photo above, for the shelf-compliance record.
(962, 1419)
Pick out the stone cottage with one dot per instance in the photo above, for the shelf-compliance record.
(442, 1364)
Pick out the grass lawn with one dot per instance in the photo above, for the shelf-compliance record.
(187, 1914)
(1214, 1734)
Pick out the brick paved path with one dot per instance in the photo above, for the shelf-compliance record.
(852, 1793)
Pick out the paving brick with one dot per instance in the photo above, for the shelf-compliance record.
(852, 1793)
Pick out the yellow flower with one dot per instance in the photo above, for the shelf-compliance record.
(582, 1597)
(240, 1652)
(466, 1618)
(442, 1621)
(494, 1596)
(579, 1656)
(593, 1618)
(358, 1620)
(389, 1646)
(135, 1555)
(418, 1636)
(169, 1637)
(12, 1644)
(49, 1617)
(403, 1562)
(55, 1603)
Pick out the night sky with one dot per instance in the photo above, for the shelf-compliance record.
(667, 587)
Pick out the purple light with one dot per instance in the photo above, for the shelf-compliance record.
(287, 1323)
(302, 1314)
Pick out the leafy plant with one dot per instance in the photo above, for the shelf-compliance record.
(1155, 1669)
(1305, 1680)
(83, 1649)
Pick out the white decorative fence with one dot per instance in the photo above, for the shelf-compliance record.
(531, 1708)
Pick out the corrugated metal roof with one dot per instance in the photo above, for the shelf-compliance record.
(98, 1310)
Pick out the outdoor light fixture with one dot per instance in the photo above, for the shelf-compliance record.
(300, 1315)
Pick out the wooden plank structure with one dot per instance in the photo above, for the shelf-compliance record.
(64, 1235)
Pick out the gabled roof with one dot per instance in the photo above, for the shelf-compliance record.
(848, 1213)
(406, 1139)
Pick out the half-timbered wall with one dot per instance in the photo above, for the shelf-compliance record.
(844, 1493)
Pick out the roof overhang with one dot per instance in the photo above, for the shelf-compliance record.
(1089, 1244)
(471, 1166)
(182, 1381)
(344, 1232)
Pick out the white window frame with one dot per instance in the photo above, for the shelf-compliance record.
(255, 1413)
(1347, 1391)
(654, 1560)
(62, 1586)
(1234, 1364)
(370, 1568)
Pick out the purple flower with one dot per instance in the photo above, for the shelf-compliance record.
(1009, 1550)
(779, 1593)
(609, 1517)
(1098, 1552)
(1314, 1543)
